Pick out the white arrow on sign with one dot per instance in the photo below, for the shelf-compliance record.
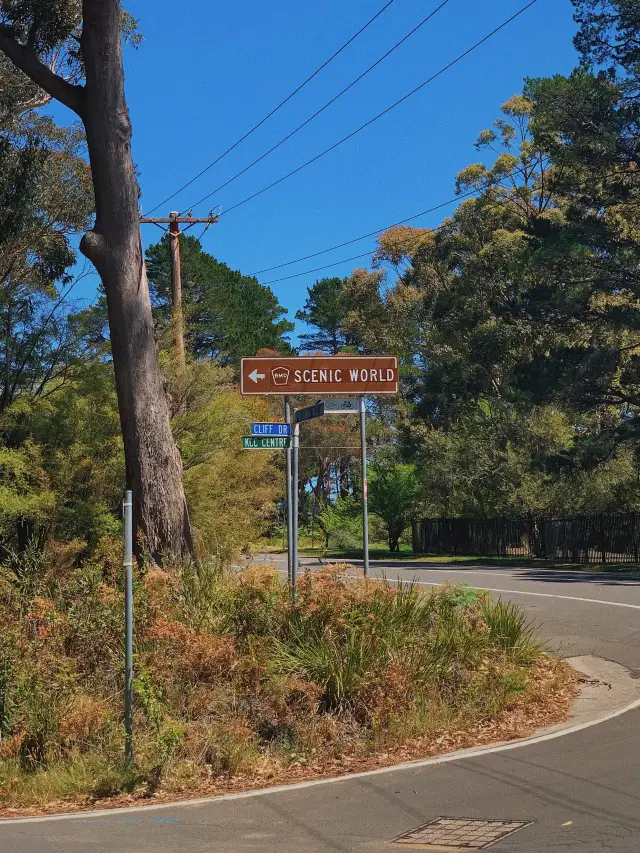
(255, 375)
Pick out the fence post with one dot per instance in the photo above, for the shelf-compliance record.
(127, 511)
(603, 544)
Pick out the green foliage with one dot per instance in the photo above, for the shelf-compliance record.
(62, 470)
(608, 32)
(518, 318)
(26, 502)
(498, 461)
(341, 523)
(509, 627)
(45, 197)
(228, 315)
(43, 24)
(64, 479)
(325, 309)
(395, 495)
(231, 492)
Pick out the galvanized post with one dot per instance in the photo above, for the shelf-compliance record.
(287, 419)
(127, 511)
(296, 465)
(365, 487)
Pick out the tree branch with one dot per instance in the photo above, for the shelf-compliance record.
(28, 61)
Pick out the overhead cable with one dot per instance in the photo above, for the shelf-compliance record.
(317, 269)
(364, 254)
(322, 109)
(274, 110)
(384, 112)
(365, 236)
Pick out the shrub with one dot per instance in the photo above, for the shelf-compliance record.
(341, 524)
(232, 678)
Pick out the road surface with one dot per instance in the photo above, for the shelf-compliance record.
(581, 792)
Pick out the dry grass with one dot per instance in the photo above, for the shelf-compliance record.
(236, 687)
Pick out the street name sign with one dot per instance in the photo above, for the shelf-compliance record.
(264, 442)
(320, 375)
(341, 405)
(270, 429)
(315, 411)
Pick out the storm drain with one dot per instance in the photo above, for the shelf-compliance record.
(461, 833)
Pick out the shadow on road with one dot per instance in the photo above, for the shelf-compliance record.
(531, 573)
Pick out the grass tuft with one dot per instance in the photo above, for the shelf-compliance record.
(233, 681)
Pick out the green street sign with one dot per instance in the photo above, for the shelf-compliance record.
(266, 442)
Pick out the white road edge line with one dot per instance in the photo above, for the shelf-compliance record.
(515, 571)
(416, 582)
(408, 765)
(521, 592)
(313, 783)
(519, 576)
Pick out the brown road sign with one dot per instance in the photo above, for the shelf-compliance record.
(318, 375)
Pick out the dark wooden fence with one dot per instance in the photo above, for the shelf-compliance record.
(603, 538)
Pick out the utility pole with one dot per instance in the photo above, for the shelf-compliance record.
(174, 221)
(176, 289)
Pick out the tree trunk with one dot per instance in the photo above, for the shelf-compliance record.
(4, 401)
(154, 467)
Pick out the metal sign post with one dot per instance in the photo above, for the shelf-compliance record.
(306, 414)
(127, 511)
(294, 555)
(365, 487)
(287, 418)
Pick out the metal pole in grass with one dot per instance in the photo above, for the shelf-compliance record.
(296, 466)
(287, 420)
(365, 487)
(127, 511)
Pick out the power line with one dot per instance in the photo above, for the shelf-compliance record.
(317, 269)
(384, 112)
(469, 194)
(274, 110)
(323, 108)
(365, 236)
(364, 254)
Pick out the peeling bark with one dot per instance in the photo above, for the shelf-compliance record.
(154, 467)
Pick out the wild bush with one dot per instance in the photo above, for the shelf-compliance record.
(231, 677)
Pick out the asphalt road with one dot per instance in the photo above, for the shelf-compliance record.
(581, 792)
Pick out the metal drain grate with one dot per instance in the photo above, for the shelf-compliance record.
(461, 833)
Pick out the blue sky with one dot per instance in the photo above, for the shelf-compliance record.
(206, 72)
